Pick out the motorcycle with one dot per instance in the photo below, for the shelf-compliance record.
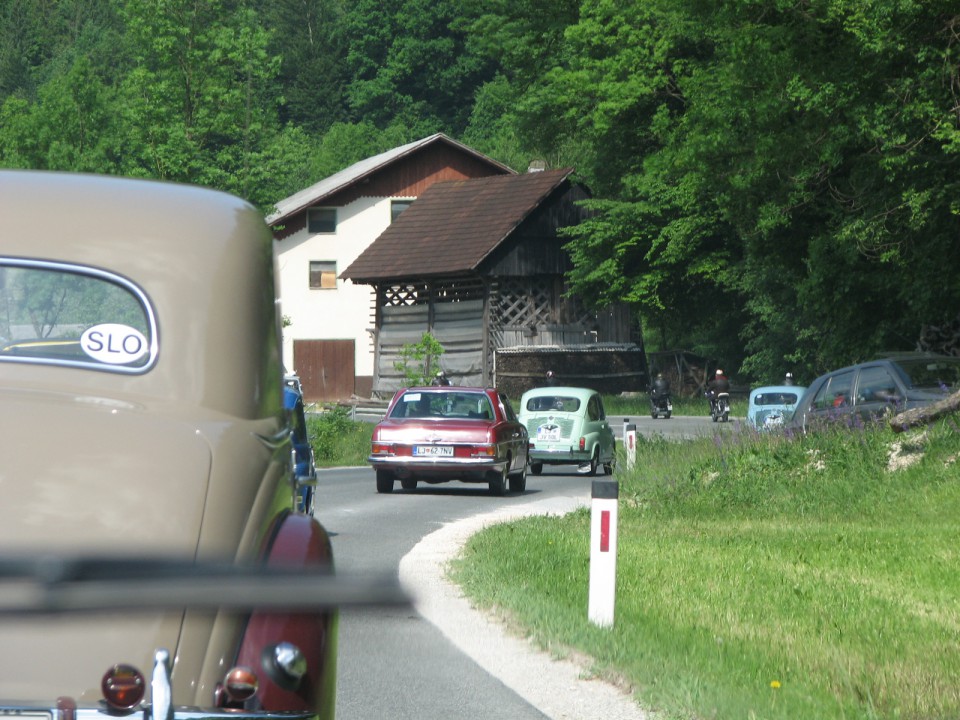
(719, 406)
(660, 404)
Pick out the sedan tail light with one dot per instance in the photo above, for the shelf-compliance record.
(381, 448)
(583, 443)
(483, 451)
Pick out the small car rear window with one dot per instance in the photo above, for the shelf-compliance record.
(775, 398)
(556, 403)
(62, 314)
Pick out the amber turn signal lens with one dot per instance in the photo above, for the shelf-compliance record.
(123, 687)
(241, 684)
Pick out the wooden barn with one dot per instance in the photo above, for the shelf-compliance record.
(478, 264)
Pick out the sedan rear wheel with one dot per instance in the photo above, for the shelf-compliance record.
(536, 468)
(497, 481)
(409, 483)
(518, 481)
(384, 481)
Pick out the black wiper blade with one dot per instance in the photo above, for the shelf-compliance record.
(55, 584)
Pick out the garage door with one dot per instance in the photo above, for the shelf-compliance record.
(326, 369)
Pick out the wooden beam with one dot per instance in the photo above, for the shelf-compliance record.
(925, 415)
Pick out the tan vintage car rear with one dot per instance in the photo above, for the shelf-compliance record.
(141, 416)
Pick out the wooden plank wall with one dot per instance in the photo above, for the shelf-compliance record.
(458, 326)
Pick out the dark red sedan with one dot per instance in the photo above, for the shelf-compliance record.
(439, 434)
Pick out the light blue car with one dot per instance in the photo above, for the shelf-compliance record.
(772, 405)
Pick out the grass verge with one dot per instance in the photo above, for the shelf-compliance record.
(759, 576)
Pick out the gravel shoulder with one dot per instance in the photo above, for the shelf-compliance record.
(561, 689)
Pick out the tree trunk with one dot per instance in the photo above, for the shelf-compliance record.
(925, 415)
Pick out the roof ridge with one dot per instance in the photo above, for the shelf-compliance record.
(359, 170)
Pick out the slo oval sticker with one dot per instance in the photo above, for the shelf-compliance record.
(114, 344)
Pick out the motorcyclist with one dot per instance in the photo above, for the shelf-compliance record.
(660, 387)
(440, 379)
(788, 380)
(719, 384)
(660, 397)
(551, 378)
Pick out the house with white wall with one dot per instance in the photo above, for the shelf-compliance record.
(319, 231)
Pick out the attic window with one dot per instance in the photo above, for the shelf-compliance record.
(322, 220)
(397, 207)
(323, 275)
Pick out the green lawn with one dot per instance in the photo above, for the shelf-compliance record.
(758, 576)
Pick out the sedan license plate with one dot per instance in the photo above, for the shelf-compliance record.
(773, 420)
(433, 450)
(24, 714)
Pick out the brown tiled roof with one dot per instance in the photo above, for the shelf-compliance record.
(454, 226)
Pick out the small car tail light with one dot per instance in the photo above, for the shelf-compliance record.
(583, 443)
(123, 687)
(241, 684)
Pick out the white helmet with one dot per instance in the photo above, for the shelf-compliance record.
(719, 372)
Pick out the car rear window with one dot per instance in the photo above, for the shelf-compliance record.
(775, 398)
(61, 314)
(554, 403)
(444, 404)
(932, 374)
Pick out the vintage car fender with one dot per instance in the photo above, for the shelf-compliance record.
(295, 540)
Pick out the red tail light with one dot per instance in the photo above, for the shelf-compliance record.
(382, 448)
(583, 443)
(483, 451)
(123, 687)
(241, 684)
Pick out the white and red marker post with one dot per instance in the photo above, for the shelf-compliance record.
(603, 552)
(630, 443)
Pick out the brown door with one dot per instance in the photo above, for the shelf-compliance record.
(325, 368)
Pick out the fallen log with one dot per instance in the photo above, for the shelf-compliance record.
(925, 415)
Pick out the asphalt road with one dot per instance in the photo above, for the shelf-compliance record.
(393, 662)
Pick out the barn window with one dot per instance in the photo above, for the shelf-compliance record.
(397, 207)
(323, 275)
(322, 220)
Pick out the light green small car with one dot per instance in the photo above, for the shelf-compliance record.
(568, 426)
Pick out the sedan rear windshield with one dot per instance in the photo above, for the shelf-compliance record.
(60, 314)
(444, 404)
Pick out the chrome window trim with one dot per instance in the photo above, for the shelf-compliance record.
(76, 269)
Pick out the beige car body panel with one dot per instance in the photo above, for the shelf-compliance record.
(188, 459)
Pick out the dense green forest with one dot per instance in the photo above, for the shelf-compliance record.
(776, 183)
